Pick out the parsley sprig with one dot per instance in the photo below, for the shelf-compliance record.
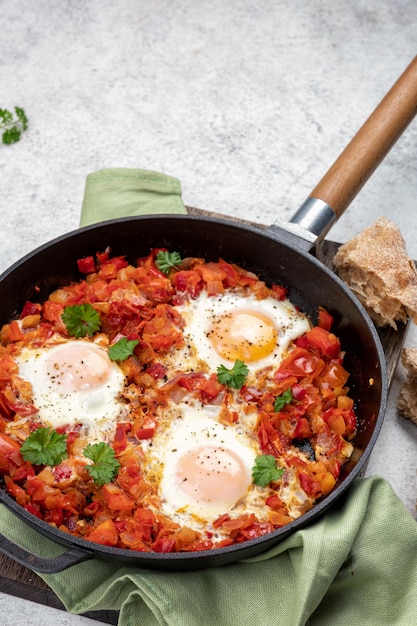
(81, 320)
(44, 447)
(282, 400)
(165, 261)
(122, 349)
(265, 470)
(105, 465)
(234, 377)
(12, 125)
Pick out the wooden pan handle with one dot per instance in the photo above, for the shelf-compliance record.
(364, 153)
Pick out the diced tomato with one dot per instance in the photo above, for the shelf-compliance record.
(15, 332)
(21, 473)
(189, 281)
(54, 516)
(214, 287)
(350, 420)
(298, 392)
(257, 530)
(327, 481)
(329, 442)
(309, 484)
(5, 409)
(156, 370)
(345, 403)
(325, 319)
(164, 544)
(120, 439)
(92, 508)
(295, 461)
(340, 421)
(279, 518)
(10, 457)
(280, 292)
(145, 516)
(334, 418)
(274, 502)
(147, 430)
(210, 387)
(212, 272)
(301, 342)
(300, 362)
(105, 533)
(302, 429)
(231, 276)
(30, 308)
(334, 374)
(52, 311)
(119, 262)
(102, 257)
(62, 472)
(153, 271)
(325, 342)
(16, 491)
(250, 394)
(116, 498)
(70, 501)
(221, 520)
(86, 265)
(34, 510)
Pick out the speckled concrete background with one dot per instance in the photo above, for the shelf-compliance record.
(247, 103)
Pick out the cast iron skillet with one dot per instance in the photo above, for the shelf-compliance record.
(277, 256)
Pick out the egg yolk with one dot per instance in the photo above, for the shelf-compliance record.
(245, 335)
(78, 366)
(212, 475)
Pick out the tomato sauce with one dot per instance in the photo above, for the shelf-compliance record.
(310, 436)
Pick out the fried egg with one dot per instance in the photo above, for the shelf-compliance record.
(228, 327)
(74, 382)
(204, 467)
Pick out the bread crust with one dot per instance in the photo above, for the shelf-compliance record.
(407, 398)
(376, 267)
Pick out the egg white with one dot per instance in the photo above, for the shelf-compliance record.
(190, 426)
(199, 314)
(94, 407)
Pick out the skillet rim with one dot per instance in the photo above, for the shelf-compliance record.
(227, 554)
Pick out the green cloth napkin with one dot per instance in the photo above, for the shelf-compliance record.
(121, 192)
(355, 565)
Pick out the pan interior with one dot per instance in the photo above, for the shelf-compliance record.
(310, 285)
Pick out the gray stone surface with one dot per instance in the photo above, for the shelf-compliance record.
(247, 103)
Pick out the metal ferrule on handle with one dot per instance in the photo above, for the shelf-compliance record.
(316, 216)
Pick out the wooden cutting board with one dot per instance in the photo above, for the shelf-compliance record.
(21, 582)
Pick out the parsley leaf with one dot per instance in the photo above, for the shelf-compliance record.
(282, 400)
(234, 377)
(81, 320)
(21, 116)
(122, 349)
(12, 125)
(105, 466)
(167, 260)
(45, 447)
(11, 135)
(265, 470)
(6, 117)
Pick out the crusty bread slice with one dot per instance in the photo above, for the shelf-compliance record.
(407, 398)
(377, 268)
